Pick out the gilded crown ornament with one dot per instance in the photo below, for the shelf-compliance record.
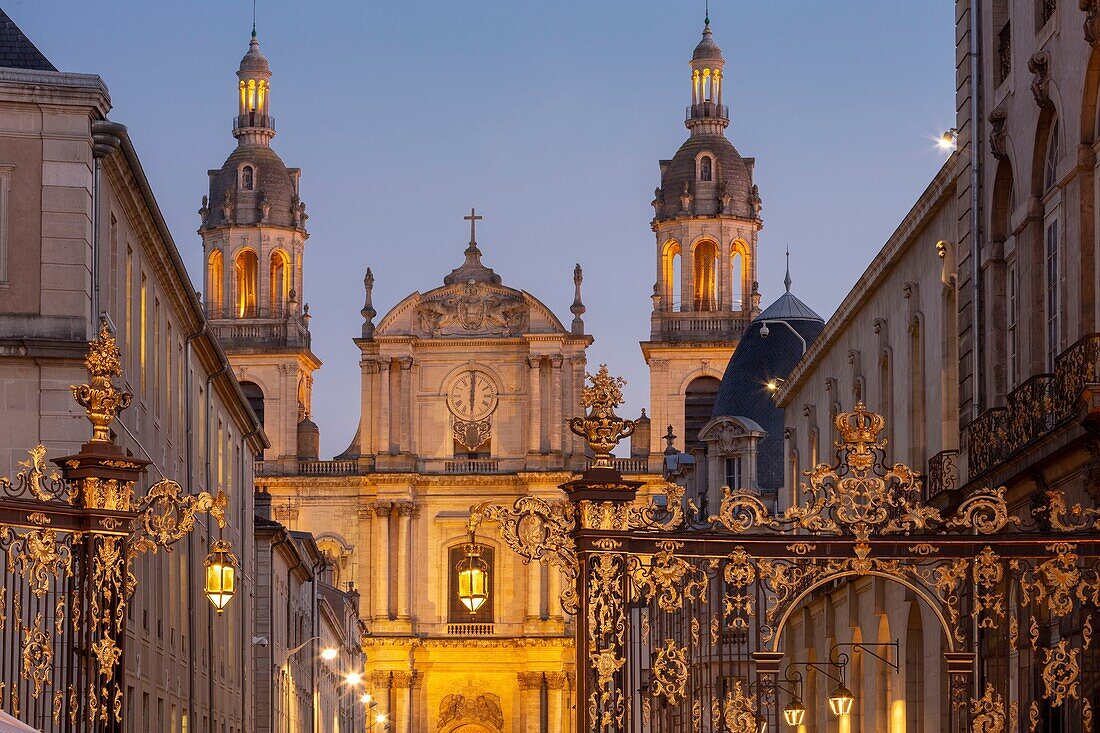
(601, 427)
(101, 399)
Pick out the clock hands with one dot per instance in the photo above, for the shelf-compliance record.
(473, 381)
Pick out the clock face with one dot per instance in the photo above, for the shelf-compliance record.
(472, 397)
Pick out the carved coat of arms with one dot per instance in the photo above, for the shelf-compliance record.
(472, 310)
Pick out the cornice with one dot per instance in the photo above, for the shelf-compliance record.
(503, 642)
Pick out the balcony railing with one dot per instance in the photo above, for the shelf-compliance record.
(707, 110)
(309, 468)
(470, 629)
(1048, 9)
(943, 473)
(626, 465)
(472, 465)
(1034, 409)
(252, 119)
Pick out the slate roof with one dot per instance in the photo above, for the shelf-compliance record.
(730, 168)
(743, 392)
(17, 51)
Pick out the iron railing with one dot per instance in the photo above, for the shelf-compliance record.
(1004, 52)
(943, 473)
(707, 110)
(252, 119)
(1034, 409)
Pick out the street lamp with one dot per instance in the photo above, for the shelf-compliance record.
(840, 702)
(328, 654)
(794, 713)
(353, 678)
(473, 576)
(221, 572)
(949, 140)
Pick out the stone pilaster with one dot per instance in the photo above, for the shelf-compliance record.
(385, 405)
(534, 405)
(534, 593)
(381, 561)
(406, 398)
(557, 704)
(530, 701)
(556, 426)
(406, 510)
(403, 682)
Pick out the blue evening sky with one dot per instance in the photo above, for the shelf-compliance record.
(549, 117)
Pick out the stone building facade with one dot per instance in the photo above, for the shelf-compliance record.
(82, 238)
(988, 377)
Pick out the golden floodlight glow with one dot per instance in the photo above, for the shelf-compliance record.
(329, 654)
(221, 573)
(948, 140)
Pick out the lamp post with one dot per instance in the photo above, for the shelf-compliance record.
(764, 331)
(841, 698)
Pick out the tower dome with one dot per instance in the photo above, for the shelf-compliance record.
(771, 346)
(707, 50)
(254, 61)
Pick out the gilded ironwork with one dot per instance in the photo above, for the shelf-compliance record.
(988, 712)
(670, 671)
(101, 399)
(606, 639)
(37, 555)
(1061, 673)
(739, 711)
(37, 655)
(166, 515)
(601, 427)
(669, 579)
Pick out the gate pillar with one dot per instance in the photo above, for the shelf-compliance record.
(960, 676)
(766, 667)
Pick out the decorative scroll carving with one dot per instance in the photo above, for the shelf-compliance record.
(1039, 66)
(167, 515)
(472, 434)
(670, 579)
(988, 712)
(606, 640)
(473, 309)
(485, 708)
(998, 134)
(670, 671)
(1061, 672)
(739, 710)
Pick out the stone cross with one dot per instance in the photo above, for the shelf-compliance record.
(473, 218)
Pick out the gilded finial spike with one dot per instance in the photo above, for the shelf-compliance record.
(101, 400)
(601, 427)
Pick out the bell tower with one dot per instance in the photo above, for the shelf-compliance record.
(706, 218)
(253, 234)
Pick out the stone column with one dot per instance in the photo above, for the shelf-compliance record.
(380, 560)
(556, 703)
(406, 399)
(534, 405)
(369, 369)
(534, 591)
(384, 407)
(556, 425)
(402, 712)
(553, 592)
(530, 694)
(381, 683)
(725, 278)
(406, 510)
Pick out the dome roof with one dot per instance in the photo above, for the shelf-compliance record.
(254, 61)
(730, 171)
(756, 361)
(707, 48)
(273, 185)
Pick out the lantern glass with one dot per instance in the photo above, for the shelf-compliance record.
(221, 575)
(473, 582)
(840, 702)
(794, 713)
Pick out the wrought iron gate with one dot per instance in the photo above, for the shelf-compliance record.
(69, 537)
(681, 620)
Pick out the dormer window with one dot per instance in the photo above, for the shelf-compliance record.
(247, 178)
(705, 168)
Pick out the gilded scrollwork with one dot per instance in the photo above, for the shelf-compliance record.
(36, 656)
(988, 712)
(601, 427)
(606, 640)
(166, 515)
(1061, 673)
(739, 711)
(101, 399)
(670, 671)
(40, 555)
(670, 579)
(989, 601)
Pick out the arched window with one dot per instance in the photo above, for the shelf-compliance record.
(706, 265)
(737, 279)
(245, 278)
(255, 397)
(215, 284)
(247, 178)
(1050, 171)
(280, 283)
(457, 613)
(705, 172)
(670, 275)
(698, 406)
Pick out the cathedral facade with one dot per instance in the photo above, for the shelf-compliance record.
(466, 393)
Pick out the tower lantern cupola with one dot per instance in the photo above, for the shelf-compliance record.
(707, 114)
(254, 124)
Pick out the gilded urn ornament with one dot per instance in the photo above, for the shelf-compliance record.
(601, 427)
(101, 399)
